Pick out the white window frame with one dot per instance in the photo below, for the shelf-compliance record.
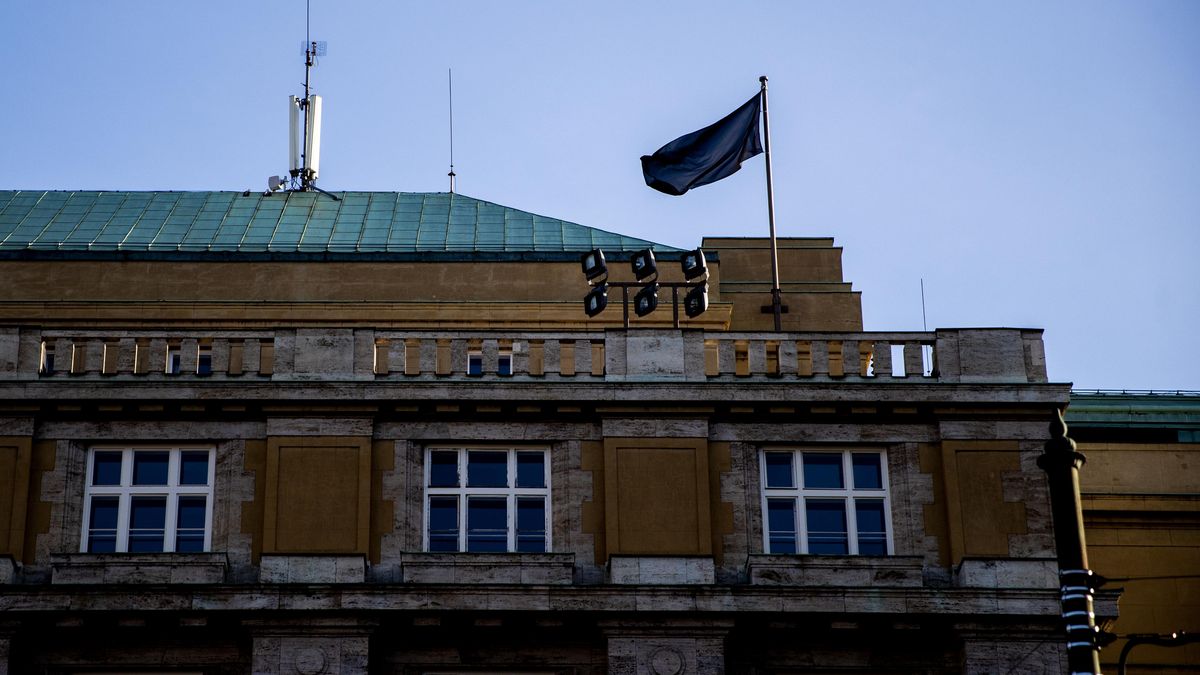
(462, 492)
(475, 357)
(848, 493)
(127, 490)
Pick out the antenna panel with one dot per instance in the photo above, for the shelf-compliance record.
(312, 153)
(319, 47)
(294, 132)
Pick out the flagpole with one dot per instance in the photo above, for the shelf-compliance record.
(776, 304)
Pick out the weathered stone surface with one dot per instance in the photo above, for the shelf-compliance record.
(837, 571)
(323, 353)
(319, 426)
(133, 568)
(1008, 573)
(7, 569)
(643, 570)
(656, 354)
(312, 569)
(487, 568)
(640, 427)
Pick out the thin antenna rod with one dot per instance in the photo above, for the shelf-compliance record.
(924, 326)
(450, 82)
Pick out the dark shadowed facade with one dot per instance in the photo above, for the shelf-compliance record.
(286, 434)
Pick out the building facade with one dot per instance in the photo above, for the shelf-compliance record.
(1141, 499)
(290, 434)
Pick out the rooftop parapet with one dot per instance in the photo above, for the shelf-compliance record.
(971, 356)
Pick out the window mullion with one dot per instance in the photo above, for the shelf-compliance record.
(170, 516)
(87, 524)
(123, 523)
(126, 467)
(802, 522)
(511, 519)
(852, 525)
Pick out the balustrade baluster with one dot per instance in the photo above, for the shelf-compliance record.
(757, 356)
(881, 364)
(851, 359)
(820, 357)
(913, 363)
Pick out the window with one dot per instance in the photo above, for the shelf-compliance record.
(148, 500)
(823, 501)
(503, 362)
(47, 360)
(174, 359)
(487, 500)
(204, 360)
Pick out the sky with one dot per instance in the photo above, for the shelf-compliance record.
(1037, 164)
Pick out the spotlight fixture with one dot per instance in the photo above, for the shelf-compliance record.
(596, 300)
(643, 264)
(646, 300)
(693, 264)
(594, 265)
(696, 300)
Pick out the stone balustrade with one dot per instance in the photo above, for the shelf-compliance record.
(976, 355)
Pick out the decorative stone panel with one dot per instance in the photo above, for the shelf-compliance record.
(1008, 573)
(312, 569)
(487, 568)
(848, 571)
(627, 569)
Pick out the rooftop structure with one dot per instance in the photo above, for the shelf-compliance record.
(229, 445)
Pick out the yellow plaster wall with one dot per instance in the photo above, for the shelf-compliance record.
(979, 521)
(592, 514)
(318, 495)
(15, 459)
(38, 512)
(810, 275)
(1141, 506)
(657, 496)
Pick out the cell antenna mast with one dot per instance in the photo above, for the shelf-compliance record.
(305, 122)
(450, 82)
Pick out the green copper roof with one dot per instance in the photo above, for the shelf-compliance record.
(286, 222)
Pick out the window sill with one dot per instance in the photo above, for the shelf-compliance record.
(137, 568)
(835, 570)
(487, 568)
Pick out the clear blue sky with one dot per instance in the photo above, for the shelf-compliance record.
(1038, 163)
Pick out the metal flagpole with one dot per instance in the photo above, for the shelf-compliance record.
(776, 304)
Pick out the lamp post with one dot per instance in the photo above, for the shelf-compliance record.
(1061, 462)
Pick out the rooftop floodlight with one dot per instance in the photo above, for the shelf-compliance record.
(693, 264)
(696, 300)
(596, 300)
(643, 265)
(593, 265)
(646, 300)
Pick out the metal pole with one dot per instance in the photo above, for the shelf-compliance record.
(776, 303)
(1061, 462)
(304, 177)
(675, 306)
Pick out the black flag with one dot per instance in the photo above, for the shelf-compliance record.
(705, 156)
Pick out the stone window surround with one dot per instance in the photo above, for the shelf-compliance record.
(172, 491)
(799, 493)
(463, 492)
